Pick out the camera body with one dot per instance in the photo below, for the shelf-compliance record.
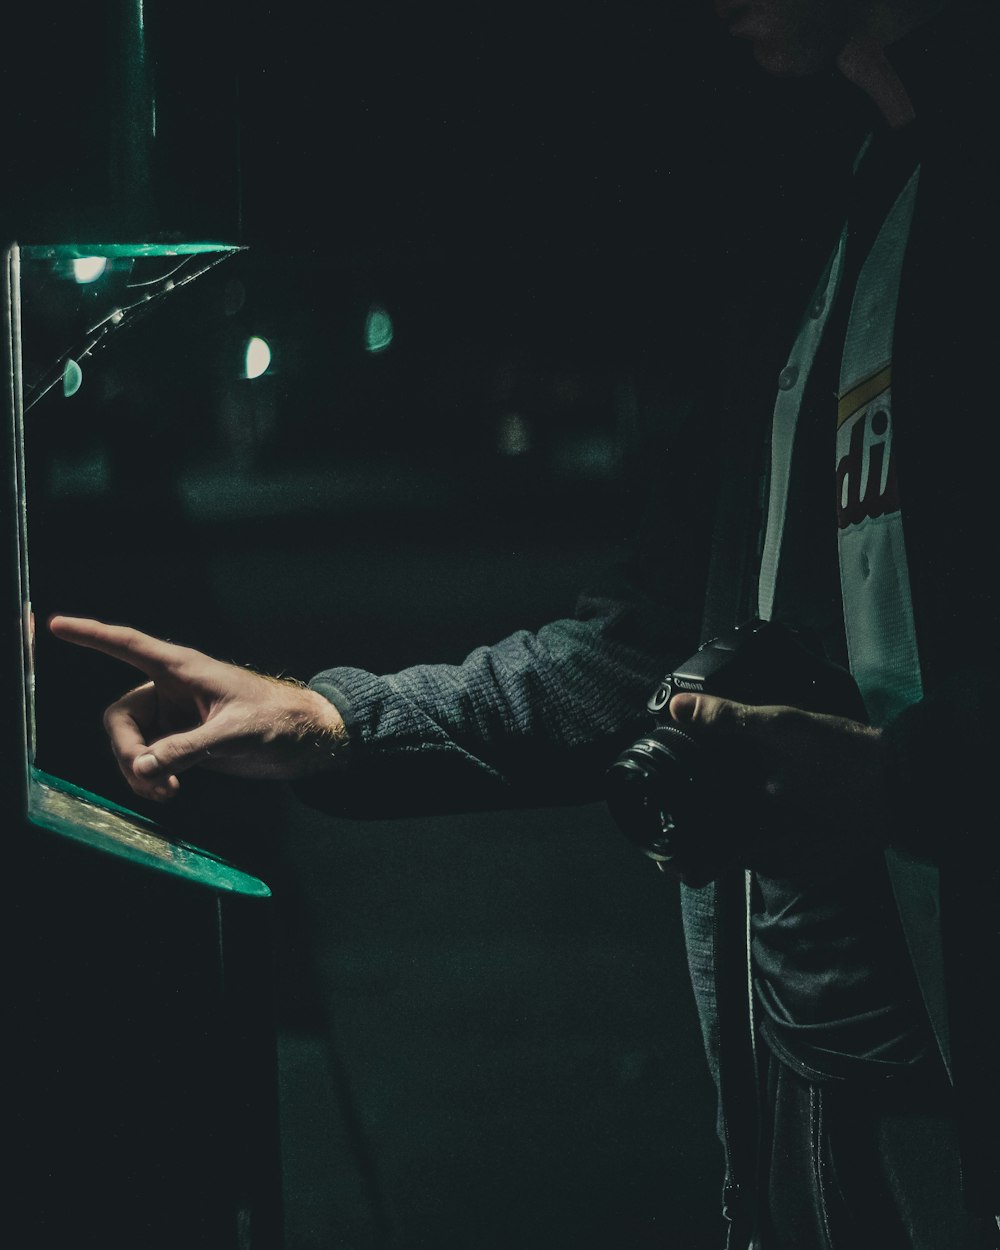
(693, 810)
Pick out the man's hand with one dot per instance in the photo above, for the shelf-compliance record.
(196, 710)
(822, 781)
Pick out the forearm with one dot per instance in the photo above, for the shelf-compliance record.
(533, 719)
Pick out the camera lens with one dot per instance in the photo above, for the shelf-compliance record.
(649, 789)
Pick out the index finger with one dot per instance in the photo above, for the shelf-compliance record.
(148, 654)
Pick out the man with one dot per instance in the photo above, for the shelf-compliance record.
(842, 955)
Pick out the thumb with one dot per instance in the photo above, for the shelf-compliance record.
(708, 711)
(175, 754)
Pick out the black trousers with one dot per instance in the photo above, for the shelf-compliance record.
(852, 1168)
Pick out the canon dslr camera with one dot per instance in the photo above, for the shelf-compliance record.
(693, 809)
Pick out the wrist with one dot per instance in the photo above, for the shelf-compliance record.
(311, 725)
(322, 732)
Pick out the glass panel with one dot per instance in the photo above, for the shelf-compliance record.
(82, 389)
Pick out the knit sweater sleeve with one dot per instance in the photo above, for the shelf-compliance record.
(533, 719)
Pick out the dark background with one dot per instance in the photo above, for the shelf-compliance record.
(581, 226)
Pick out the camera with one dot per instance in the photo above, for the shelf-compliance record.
(694, 810)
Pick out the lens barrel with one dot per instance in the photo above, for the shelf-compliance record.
(649, 786)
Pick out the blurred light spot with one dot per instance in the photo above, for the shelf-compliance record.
(88, 268)
(88, 474)
(631, 1067)
(589, 455)
(234, 297)
(72, 378)
(378, 329)
(514, 435)
(257, 358)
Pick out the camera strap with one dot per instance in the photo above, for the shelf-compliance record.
(716, 937)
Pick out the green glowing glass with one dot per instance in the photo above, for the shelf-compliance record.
(66, 809)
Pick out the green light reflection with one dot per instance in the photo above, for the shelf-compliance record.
(378, 329)
(72, 378)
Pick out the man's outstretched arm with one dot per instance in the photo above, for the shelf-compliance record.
(197, 710)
